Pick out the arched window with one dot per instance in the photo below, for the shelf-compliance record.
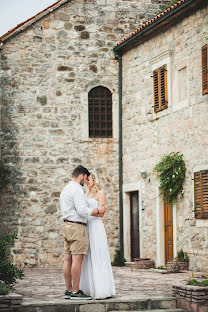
(100, 112)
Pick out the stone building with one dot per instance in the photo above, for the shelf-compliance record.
(174, 47)
(53, 67)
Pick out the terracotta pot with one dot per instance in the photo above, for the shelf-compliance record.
(177, 266)
(183, 266)
(172, 267)
(144, 263)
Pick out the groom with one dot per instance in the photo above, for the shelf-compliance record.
(75, 211)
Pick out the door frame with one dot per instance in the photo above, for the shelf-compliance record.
(128, 188)
(160, 231)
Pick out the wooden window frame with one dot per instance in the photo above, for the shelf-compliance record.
(204, 52)
(100, 113)
(160, 88)
(201, 194)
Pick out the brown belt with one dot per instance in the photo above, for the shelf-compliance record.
(75, 222)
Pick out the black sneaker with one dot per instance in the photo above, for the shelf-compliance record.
(79, 295)
(68, 294)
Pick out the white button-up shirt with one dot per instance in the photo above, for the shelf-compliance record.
(73, 203)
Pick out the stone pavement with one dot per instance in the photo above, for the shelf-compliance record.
(48, 284)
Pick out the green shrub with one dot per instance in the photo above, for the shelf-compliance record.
(194, 282)
(4, 175)
(182, 256)
(4, 289)
(9, 273)
(119, 259)
(161, 268)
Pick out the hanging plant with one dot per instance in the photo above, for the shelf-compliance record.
(4, 175)
(171, 174)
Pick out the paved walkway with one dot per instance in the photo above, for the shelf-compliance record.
(47, 284)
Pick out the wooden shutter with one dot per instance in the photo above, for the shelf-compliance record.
(205, 69)
(160, 89)
(201, 194)
(156, 91)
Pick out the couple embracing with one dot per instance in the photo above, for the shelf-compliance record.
(87, 267)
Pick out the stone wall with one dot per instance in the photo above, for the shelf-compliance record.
(191, 298)
(46, 72)
(10, 303)
(180, 128)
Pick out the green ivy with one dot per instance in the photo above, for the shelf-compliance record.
(171, 174)
(4, 175)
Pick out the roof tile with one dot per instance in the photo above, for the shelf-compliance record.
(21, 24)
(172, 7)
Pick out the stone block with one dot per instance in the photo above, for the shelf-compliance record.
(92, 307)
(84, 35)
(68, 25)
(37, 39)
(79, 27)
(42, 99)
(63, 16)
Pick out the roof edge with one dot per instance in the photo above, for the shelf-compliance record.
(24, 25)
(137, 34)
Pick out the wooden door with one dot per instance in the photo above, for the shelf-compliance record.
(134, 206)
(168, 222)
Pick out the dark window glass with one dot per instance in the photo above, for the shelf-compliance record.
(100, 112)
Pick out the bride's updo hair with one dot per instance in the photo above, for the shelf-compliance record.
(96, 187)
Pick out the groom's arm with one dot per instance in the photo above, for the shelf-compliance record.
(82, 207)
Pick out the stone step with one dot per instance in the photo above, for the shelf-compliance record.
(164, 304)
(161, 310)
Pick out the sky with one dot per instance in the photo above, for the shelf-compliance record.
(13, 12)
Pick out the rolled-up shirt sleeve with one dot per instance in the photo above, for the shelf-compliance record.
(80, 204)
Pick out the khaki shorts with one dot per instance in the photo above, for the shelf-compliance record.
(75, 238)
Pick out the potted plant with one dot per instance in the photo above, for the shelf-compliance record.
(193, 296)
(181, 263)
(182, 260)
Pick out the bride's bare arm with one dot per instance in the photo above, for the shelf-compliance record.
(101, 202)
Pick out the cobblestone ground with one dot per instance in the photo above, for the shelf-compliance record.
(47, 284)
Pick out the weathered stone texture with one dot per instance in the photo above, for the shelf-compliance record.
(181, 128)
(47, 72)
(191, 298)
(11, 303)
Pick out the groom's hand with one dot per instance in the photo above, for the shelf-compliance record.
(102, 209)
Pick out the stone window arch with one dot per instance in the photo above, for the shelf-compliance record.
(100, 112)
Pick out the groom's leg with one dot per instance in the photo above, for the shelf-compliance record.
(76, 271)
(67, 271)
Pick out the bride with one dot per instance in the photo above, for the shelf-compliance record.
(96, 275)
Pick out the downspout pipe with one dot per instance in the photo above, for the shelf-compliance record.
(119, 59)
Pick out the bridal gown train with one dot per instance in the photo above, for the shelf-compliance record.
(97, 277)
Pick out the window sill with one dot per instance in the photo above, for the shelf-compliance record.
(160, 114)
(99, 140)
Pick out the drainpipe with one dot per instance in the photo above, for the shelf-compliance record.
(1, 95)
(119, 58)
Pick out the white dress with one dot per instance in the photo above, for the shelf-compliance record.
(96, 276)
